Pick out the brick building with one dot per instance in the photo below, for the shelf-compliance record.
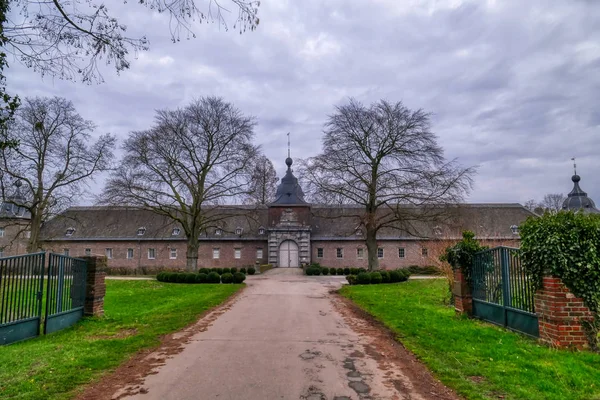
(286, 233)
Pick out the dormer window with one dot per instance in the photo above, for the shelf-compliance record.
(175, 232)
(261, 231)
(358, 232)
(514, 229)
(238, 231)
(218, 232)
(70, 231)
(141, 231)
(437, 230)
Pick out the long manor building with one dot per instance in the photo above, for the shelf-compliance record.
(287, 233)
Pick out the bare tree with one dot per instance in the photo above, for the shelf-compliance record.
(67, 39)
(531, 205)
(385, 158)
(191, 160)
(264, 182)
(55, 158)
(553, 202)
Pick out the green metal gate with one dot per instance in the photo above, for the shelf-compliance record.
(21, 288)
(503, 293)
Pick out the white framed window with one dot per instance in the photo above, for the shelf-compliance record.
(218, 232)
(175, 232)
(259, 253)
(339, 252)
(401, 252)
(216, 253)
(141, 231)
(151, 254)
(358, 232)
(360, 253)
(238, 231)
(237, 253)
(320, 252)
(129, 253)
(109, 253)
(173, 254)
(380, 252)
(424, 252)
(66, 252)
(88, 252)
(1, 232)
(70, 231)
(261, 231)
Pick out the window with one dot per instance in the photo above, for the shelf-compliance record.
(261, 231)
(320, 252)
(379, 252)
(216, 253)
(360, 253)
(238, 231)
(259, 253)
(358, 232)
(218, 232)
(175, 232)
(514, 229)
(437, 230)
(1, 232)
(173, 254)
(401, 252)
(151, 254)
(424, 252)
(141, 231)
(109, 253)
(130, 253)
(66, 252)
(237, 253)
(70, 231)
(88, 252)
(339, 252)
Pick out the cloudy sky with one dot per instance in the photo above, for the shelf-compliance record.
(513, 85)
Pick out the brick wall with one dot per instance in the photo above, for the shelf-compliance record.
(463, 300)
(227, 253)
(560, 314)
(95, 287)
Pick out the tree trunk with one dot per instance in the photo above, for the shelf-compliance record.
(33, 245)
(372, 249)
(191, 254)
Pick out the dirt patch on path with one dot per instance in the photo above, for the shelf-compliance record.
(128, 378)
(414, 380)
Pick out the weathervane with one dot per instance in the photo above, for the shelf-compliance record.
(574, 165)
(288, 135)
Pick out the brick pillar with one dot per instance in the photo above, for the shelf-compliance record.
(95, 287)
(560, 314)
(463, 301)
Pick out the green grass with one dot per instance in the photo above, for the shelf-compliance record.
(478, 360)
(54, 366)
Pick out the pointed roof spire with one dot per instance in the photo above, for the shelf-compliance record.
(289, 191)
(577, 199)
(288, 160)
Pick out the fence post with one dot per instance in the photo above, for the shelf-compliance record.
(463, 300)
(560, 315)
(95, 286)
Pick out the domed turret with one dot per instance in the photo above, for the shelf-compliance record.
(289, 191)
(13, 206)
(578, 200)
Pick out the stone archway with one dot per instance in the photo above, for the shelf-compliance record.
(288, 254)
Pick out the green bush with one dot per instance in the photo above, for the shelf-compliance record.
(233, 270)
(238, 277)
(353, 271)
(219, 271)
(226, 271)
(332, 271)
(385, 276)
(325, 271)
(251, 271)
(190, 277)
(351, 279)
(214, 269)
(172, 277)
(243, 270)
(347, 271)
(361, 270)
(203, 271)
(316, 271)
(315, 265)
(202, 278)
(160, 276)
(375, 278)
(395, 276)
(363, 278)
(181, 278)
(213, 277)
(309, 271)
(227, 277)
(427, 270)
(461, 254)
(404, 275)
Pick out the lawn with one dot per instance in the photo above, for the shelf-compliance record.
(54, 366)
(478, 360)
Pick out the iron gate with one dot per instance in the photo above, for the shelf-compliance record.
(503, 293)
(23, 294)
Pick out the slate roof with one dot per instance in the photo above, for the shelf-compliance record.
(328, 223)
(289, 190)
(578, 200)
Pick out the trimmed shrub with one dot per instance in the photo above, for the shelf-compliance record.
(375, 277)
(332, 271)
(190, 277)
(347, 271)
(394, 276)
(238, 277)
(404, 275)
(315, 265)
(309, 271)
(351, 279)
(316, 271)
(233, 270)
(226, 271)
(227, 277)
(385, 276)
(428, 270)
(202, 278)
(180, 278)
(219, 271)
(213, 277)
(361, 270)
(251, 271)
(172, 277)
(203, 271)
(160, 276)
(353, 271)
(363, 278)
(243, 270)
(325, 271)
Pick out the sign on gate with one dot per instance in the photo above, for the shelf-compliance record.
(503, 293)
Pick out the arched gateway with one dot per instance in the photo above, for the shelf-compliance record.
(288, 254)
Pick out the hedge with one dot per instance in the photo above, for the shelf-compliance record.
(202, 277)
(376, 277)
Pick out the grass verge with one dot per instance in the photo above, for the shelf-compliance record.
(137, 314)
(478, 360)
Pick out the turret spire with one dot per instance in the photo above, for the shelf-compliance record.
(574, 165)
(288, 135)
